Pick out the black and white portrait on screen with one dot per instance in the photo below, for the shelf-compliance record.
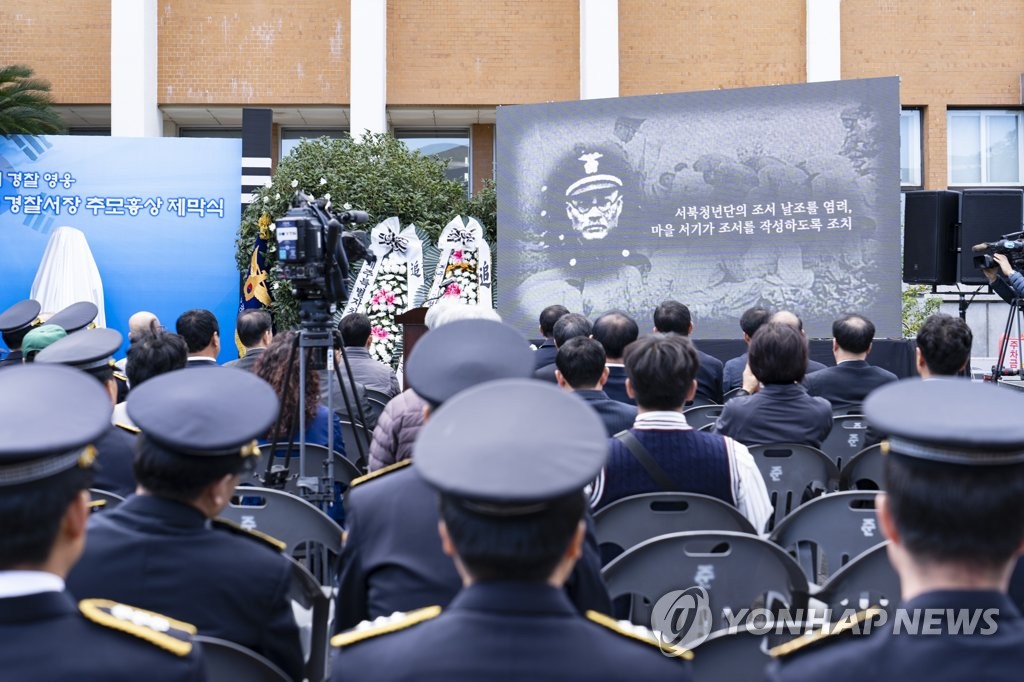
(785, 197)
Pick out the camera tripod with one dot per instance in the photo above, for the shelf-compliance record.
(315, 339)
(998, 371)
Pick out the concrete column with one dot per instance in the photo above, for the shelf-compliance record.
(369, 67)
(133, 69)
(599, 49)
(823, 41)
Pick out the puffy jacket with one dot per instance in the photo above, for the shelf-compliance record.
(396, 430)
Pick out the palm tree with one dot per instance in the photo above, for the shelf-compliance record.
(25, 104)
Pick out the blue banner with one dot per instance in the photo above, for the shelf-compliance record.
(159, 214)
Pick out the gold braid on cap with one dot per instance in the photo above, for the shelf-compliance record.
(251, 449)
(87, 457)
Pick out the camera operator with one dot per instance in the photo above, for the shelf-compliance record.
(1005, 281)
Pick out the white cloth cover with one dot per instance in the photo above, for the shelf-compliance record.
(68, 274)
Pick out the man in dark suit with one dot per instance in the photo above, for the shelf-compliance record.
(615, 330)
(512, 520)
(255, 331)
(15, 322)
(546, 351)
(569, 326)
(582, 370)
(852, 379)
(201, 332)
(943, 346)
(392, 559)
(46, 462)
(779, 410)
(952, 512)
(732, 372)
(794, 321)
(674, 317)
(164, 549)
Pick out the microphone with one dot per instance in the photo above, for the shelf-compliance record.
(443, 288)
(359, 217)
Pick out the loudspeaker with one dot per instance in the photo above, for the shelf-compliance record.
(985, 216)
(929, 242)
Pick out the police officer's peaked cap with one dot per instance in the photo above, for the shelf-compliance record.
(204, 411)
(51, 417)
(949, 420)
(594, 168)
(76, 316)
(465, 353)
(21, 315)
(510, 446)
(89, 349)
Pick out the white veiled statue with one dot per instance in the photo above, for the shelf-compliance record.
(68, 274)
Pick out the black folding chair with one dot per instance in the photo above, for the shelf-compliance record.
(103, 500)
(738, 571)
(734, 393)
(827, 532)
(306, 531)
(793, 473)
(739, 653)
(631, 520)
(864, 471)
(701, 415)
(311, 603)
(294, 477)
(867, 580)
(378, 398)
(350, 431)
(847, 437)
(229, 661)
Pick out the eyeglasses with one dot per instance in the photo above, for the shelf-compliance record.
(586, 202)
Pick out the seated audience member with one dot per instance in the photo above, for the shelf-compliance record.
(953, 514)
(139, 323)
(46, 467)
(661, 371)
(272, 367)
(794, 321)
(201, 332)
(392, 558)
(779, 410)
(402, 417)
(163, 549)
(38, 338)
(569, 326)
(372, 374)
(255, 329)
(354, 394)
(546, 351)
(847, 384)
(674, 317)
(151, 353)
(615, 330)
(943, 346)
(15, 323)
(732, 372)
(581, 369)
(90, 351)
(512, 521)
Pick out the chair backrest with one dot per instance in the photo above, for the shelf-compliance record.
(739, 653)
(344, 470)
(700, 415)
(229, 661)
(738, 571)
(350, 431)
(312, 607)
(305, 530)
(864, 471)
(828, 532)
(378, 398)
(847, 437)
(103, 500)
(793, 474)
(868, 580)
(734, 393)
(631, 520)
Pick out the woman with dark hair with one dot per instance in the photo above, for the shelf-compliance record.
(272, 367)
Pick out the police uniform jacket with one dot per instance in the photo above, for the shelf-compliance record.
(13, 358)
(848, 383)
(505, 631)
(116, 452)
(392, 559)
(995, 656)
(47, 637)
(778, 413)
(166, 556)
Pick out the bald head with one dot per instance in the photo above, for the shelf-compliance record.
(787, 318)
(140, 322)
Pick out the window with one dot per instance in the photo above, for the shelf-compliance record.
(450, 145)
(984, 147)
(290, 137)
(910, 148)
(211, 132)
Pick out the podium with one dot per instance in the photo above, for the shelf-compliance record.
(413, 327)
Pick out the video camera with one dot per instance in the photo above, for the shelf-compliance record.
(314, 250)
(1014, 250)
